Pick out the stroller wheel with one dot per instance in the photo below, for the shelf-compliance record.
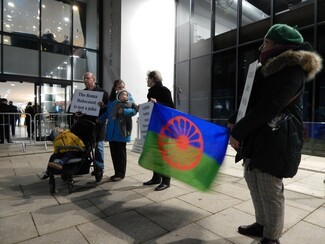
(52, 188)
(63, 177)
(70, 186)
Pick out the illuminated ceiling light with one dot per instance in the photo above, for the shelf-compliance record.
(74, 7)
(6, 40)
(66, 19)
(7, 25)
(11, 4)
(43, 6)
(12, 84)
(9, 16)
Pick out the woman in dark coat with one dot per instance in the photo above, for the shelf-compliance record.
(272, 151)
(160, 94)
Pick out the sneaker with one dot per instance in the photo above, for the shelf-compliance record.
(56, 164)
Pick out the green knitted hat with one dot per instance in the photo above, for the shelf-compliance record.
(282, 33)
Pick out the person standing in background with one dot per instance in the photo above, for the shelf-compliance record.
(29, 120)
(13, 117)
(160, 94)
(4, 121)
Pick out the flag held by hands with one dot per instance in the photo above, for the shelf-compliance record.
(184, 147)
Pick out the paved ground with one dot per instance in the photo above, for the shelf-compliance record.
(128, 212)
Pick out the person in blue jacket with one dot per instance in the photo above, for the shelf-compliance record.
(116, 138)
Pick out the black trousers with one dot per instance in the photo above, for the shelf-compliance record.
(160, 178)
(118, 154)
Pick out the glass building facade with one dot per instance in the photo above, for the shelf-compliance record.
(46, 46)
(217, 40)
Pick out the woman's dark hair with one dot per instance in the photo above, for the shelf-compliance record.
(112, 95)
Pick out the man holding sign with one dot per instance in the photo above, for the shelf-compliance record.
(90, 104)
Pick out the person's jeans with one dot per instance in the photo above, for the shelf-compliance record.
(99, 155)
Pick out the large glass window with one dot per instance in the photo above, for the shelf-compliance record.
(21, 16)
(255, 20)
(20, 60)
(320, 10)
(84, 61)
(320, 79)
(183, 30)
(288, 11)
(223, 86)
(201, 28)
(85, 28)
(225, 24)
(200, 87)
(182, 91)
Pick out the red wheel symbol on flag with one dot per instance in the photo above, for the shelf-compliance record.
(181, 143)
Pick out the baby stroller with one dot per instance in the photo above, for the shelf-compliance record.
(82, 159)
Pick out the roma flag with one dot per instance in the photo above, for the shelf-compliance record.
(184, 147)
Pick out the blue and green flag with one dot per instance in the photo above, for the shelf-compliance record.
(184, 147)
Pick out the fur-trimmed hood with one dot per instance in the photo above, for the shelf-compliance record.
(308, 60)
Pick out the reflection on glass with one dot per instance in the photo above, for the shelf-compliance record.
(287, 12)
(225, 16)
(254, 11)
(55, 66)
(182, 87)
(85, 31)
(200, 83)
(83, 61)
(182, 29)
(201, 28)
(18, 60)
(223, 86)
(21, 16)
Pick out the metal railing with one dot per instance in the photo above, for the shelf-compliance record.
(22, 128)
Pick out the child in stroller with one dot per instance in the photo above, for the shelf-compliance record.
(73, 152)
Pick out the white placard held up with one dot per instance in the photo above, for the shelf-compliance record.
(145, 110)
(86, 102)
(247, 90)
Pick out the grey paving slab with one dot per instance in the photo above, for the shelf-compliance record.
(210, 201)
(225, 224)
(173, 213)
(70, 235)
(17, 228)
(137, 226)
(190, 234)
(304, 233)
(11, 192)
(233, 189)
(302, 201)
(158, 196)
(120, 201)
(317, 217)
(100, 231)
(293, 215)
(25, 204)
(60, 217)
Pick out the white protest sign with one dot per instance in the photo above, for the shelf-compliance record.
(86, 102)
(247, 90)
(145, 110)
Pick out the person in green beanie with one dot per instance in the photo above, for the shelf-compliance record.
(269, 137)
